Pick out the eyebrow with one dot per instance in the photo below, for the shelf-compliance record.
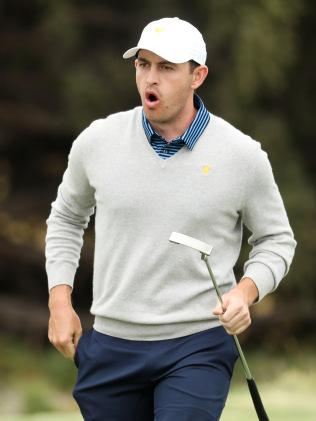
(142, 59)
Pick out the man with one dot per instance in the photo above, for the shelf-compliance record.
(160, 348)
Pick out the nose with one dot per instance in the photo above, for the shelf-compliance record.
(152, 76)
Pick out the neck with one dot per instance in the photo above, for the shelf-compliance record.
(174, 128)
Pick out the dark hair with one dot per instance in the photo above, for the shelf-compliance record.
(193, 65)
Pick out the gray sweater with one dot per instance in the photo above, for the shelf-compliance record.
(144, 287)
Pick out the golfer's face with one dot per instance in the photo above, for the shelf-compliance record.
(165, 88)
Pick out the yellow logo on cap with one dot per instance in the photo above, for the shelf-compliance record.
(159, 29)
(206, 169)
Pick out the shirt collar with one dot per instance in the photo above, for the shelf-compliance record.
(193, 132)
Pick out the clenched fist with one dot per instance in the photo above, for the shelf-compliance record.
(234, 311)
(64, 327)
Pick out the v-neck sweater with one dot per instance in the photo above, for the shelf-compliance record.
(144, 287)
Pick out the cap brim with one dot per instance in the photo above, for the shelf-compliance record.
(170, 56)
(131, 52)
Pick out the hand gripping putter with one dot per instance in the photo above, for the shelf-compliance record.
(205, 250)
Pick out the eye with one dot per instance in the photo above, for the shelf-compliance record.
(166, 67)
(142, 64)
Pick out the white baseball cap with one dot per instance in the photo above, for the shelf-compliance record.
(173, 39)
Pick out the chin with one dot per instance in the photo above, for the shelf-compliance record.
(152, 114)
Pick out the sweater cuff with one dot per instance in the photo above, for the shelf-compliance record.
(262, 276)
(61, 275)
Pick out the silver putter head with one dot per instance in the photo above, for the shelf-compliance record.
(185, 240)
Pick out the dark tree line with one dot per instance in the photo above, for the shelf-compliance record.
(62, 67)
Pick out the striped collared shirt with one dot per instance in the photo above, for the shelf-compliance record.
(189, 138)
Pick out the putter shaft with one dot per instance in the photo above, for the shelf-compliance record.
(262, 415)
(219, 295)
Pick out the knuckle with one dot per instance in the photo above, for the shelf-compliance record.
(63, 341)
(56, 343)
(245, 314)
(60, 342)
(246, 317)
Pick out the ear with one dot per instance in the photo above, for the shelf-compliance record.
(199, 75)
(135, 62)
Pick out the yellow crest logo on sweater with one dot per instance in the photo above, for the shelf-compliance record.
(206, 169)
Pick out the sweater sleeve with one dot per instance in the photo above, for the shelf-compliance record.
(70, 215)
(272, 238)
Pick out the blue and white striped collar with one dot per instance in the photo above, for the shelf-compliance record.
(193, 132)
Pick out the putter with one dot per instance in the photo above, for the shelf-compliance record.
(205, 250)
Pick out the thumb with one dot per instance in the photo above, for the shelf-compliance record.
(76, 337)
(218, 310)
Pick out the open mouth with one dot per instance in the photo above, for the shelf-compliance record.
(151, 99)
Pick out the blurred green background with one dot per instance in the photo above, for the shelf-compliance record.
(61, 68)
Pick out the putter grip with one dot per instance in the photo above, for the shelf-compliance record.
(262, 415)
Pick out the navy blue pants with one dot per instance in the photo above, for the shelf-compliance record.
(180, 379)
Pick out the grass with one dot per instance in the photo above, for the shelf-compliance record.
(36, 386)
(281, 405)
